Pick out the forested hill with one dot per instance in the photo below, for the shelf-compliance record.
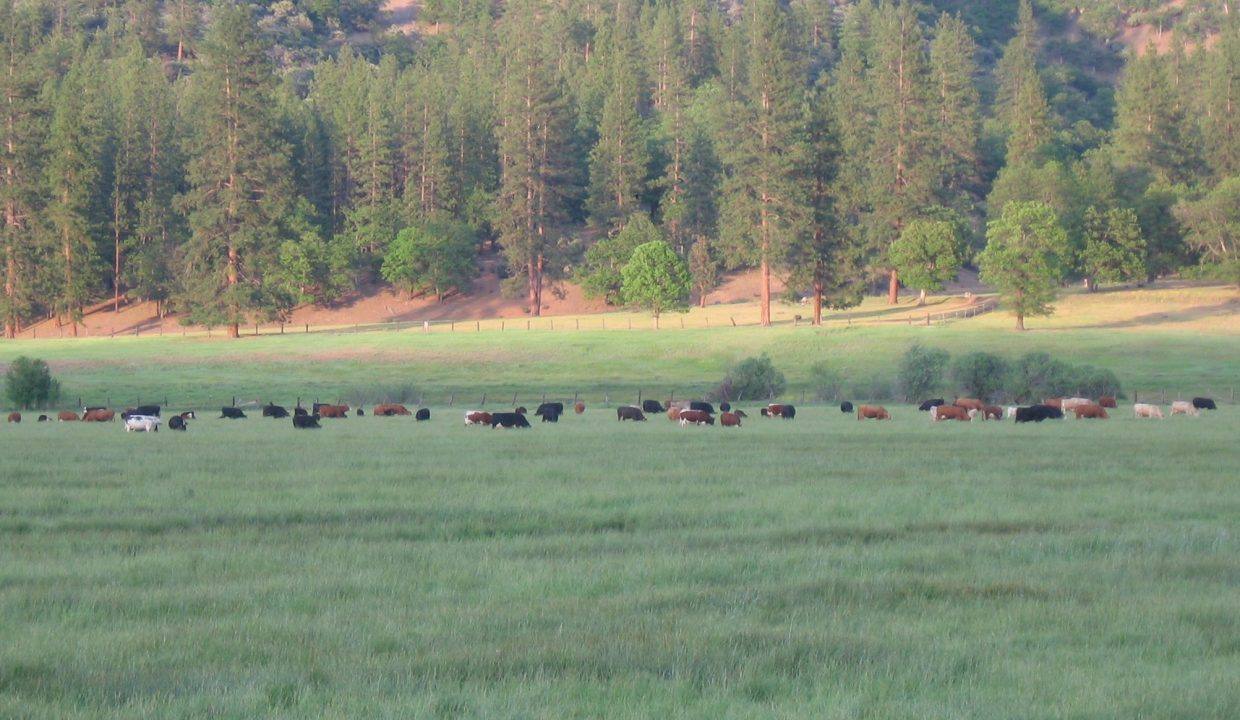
(233, 161)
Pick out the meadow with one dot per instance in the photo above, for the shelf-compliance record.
(819, 568)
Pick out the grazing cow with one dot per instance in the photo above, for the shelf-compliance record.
(15, 417)
(927, 404)
(141, 423)
(786, 412)
(1038, 413)
(1107, 401)
(702, 406)
(673, 413)
(1184, 407)
(730, 419)
(992, 412)
(630, 412)
(1010, 412)
(872, 412)
(846, 407)
(1090, 412)
(1204, 403)
(969, 403)
(360, 412)
(1146, 410)
(551, 416)
(652, 406)
(66, 416)
(332, 411)
(306, 422)
(1072, 403)
(422, 414)
(300, 412)
(477, 417)
(725, 407)
(272, 411)
(520, 410)
(509, 420)
(1052, 402)
(189, 415)
(556, 407)
(317, 408)
(147, 410)
(231, 413)
(43, 418)
(696, 417)
(579, 407)
(98, 415)
(389, 410)
(949, 412)
(176, 422)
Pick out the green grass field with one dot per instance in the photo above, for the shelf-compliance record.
(821, 568)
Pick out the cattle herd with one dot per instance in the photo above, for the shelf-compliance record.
(148, 418)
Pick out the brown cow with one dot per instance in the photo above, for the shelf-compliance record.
(67, 416)
(579, 408)
(730, 419)
(673, 413)
(1107, 401)
(872, 412)
(948, 412)
(993, 412)
(969, 403)
(390, 409)
(477, 417)
(98, 415)
(1091, 411)
(333, 411)
(695, 417)
(15, 417)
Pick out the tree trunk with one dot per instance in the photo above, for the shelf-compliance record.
(818, 303)
(1090, 285)
(921, 298)
(893, 288)
(10, 285)
(234, 329)
(766, 292)
(1020, 321)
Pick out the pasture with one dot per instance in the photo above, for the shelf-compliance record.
(819, 568)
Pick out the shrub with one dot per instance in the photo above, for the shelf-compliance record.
(875, 388)
(28, 383)
(1094, 382)
(1037, 375)
(980, 374)
(921, 372)
(656, 279)
(754, 378)
(826, 381)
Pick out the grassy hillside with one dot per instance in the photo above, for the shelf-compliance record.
(1181, 339)
(822, 568)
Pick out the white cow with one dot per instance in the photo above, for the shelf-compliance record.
(1146, 410)
(1072, 403)
(1184, 407)
(141, 423)
(1010, 412)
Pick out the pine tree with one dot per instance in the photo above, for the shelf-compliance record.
(1149, 120)
(703, 27)
(22, 124)
(76, 153)
(1222, 103)
(765, 203)
(1114, 248)
(703, 268)
(240, 182)
(902, 178)
(619, 160)
(537, 177)
(956, 125)
(1021, 105)
(1025, 258)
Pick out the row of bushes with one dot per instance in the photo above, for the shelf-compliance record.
(930, 372)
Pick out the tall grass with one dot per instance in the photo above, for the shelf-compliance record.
(820, 568)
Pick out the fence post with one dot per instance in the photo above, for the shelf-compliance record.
(501, 326)
(630, 323)
(639, 397)
(426, 326)
(477, 326)
(927, 319)
(484, 401)
(577, 323)
(451, 397)
(307, 327)
(733, 320)
(452, 326)
(552, 323)
(514, 399)
(527, 324)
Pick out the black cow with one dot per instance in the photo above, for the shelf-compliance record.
(306, 422)
(1038, 413)
(846, 407)
(149, 410)
(725, 407)
(176, 422)
(629, 412)
(553, 407)
(703, 406)
(42, 418)
(652, 406)
(422, 414)
(787, 412)
(520, 410)
(550, 416)
(231, 413)
(300, 412)
(509, 420)
(274, 411)
(361, 412)
(925, 406)
(1204, 403)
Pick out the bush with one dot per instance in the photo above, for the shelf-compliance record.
(754, 378)
(980, 374)
(826, 382)
(1093, 382)
(921, 372)
(1037, 375)
(875, 388)
(28, 383)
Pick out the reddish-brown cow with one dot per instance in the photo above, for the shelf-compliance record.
(872, 412)
(67, 416)
(15, 417)
(333, 411)
(696, 417)
(730, 419)
(1107, 401)
(579, 408)
(98, 415)
(948, 412)
(389, 409)
(969, 404)
(477, 417)
(1092, 412)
